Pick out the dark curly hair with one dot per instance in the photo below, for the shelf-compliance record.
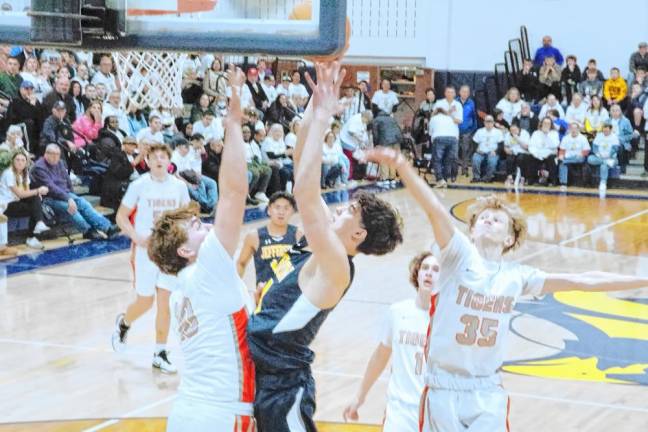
(383, 224)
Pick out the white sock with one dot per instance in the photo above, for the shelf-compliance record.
(159, 348)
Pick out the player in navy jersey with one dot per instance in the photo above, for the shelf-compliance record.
(269, 244)
(316, 277)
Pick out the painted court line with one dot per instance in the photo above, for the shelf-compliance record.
(581, 402)
(132, 413)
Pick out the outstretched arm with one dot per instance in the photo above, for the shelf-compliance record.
(420, 191)
(232, 178)
(375, 367)
(592, 281)
(328, 250)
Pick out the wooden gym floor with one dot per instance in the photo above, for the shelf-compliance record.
(577, 362)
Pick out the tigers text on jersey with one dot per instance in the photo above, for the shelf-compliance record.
(470, 327)
(212, 327)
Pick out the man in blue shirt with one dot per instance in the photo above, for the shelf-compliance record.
(466, 129)
(547, 50)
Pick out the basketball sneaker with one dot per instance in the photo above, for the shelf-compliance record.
(120, 334)
(161, 361)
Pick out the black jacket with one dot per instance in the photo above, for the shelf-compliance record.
(21, 111)
(258, 96)
(55, 131)
(386, 131)
(52, 97)
(116, 179)
(211, 165)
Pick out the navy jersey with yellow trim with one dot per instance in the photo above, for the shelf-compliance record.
(286, 322)
(270, 251)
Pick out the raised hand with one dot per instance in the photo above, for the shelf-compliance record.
(327, 90)
(236, 80)
(386, 156)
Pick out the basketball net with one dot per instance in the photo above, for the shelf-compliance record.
(150, 79)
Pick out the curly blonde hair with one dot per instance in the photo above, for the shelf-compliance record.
(169, 233)
(517, 219)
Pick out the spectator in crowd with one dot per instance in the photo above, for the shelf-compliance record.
(573, 150)
(296, 90)
(254, 91)
(640, 78)
(25, 108)
(191, 85)
(199, 109)
(547, 50)
(576, 111)
(269, 86)
(500, 122)
(10, 80)
(136, 119)
(90, 91)
(105, 76)
(111, 135)
(189, 169)
(51, 172)
(569, 79)
(260, 172)
(211, 164)
(102, 91)
(559, 124)
(349, 103)
(622, 128)
(152, 133)
(639, 58)
(638, 124)
(87, 126)
(516, 149)
(80, 102)
(277, 154)
(549, 77)
(487, 139)
(510, 104)
(215, 81)
(57, 130)
(544, 149)
(112, 107)
(528, 82)
(604, 155)
(43, 82)
(336, 127)
(422, 119)
(82, 76)
(386, 133)
(551, 104)
(119, 173)
(291, 138)
(590, 86)
(220, 108)
(526, 119)
(60, 94)
(385, 99)
(615, 89)
(284, 86)
(355, 139)
(18, 200)
(331, 166)
(636, 100)
(364, 101)
(13, 140)
(596, 116)
(593, 66)
(251, 117)
(30, 70)
(280, 112)
(209, 127)
(444, 133)
(27, 52)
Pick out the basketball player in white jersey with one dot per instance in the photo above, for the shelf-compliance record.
(217, 388)
(144, 201)
(478, 290)
(403, 339)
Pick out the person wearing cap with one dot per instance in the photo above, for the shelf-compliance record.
(254, 90)
(57, 130)
(639, 59)
(11, 79)
(25, 108)
(284, 86)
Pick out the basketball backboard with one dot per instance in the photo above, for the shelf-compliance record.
(298, 27)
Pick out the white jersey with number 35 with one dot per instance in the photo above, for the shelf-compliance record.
(471, 325)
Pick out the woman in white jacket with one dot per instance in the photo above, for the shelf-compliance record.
(510, 104)
(544, 149)
(516, 149)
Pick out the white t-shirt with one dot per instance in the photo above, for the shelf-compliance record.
(146, 134)
(106, 80)
(151, 197)
(543, 144)
(7, 181)
(574, 147)
(442, 125)
(596, 118)
(576, 114)
(354, 132)
(509, 109)
(297, 90)
(109, 110)
(385, 101)
(404, 332)
(252, 152)
(271, 92)
(213, 131)
(470, 328)
(487, 140)
(515, 143)
(330, 155)
(546, 107)
(190, 161)
(604, 144)
(211, 322)
(455, 107)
